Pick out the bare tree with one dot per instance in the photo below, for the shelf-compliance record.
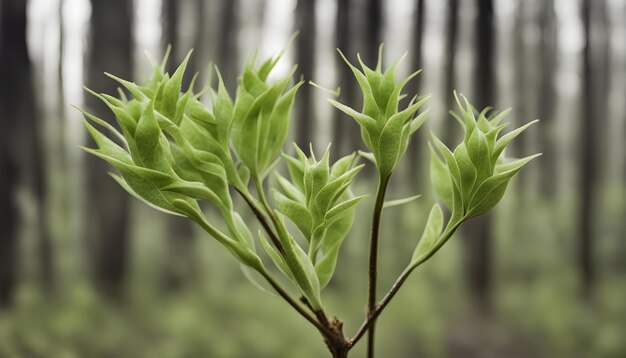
(108, 203)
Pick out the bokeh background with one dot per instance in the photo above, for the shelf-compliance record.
(86, 271)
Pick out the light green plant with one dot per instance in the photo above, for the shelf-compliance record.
(172, 152)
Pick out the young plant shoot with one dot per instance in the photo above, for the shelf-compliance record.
(173, 152)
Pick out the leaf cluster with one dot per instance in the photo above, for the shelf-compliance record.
(174, 152)
(384, 128)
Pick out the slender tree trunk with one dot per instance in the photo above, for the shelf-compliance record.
(372, 31)
(479, 230)
(108, 217)
(199, 61)
(228, 56)
(170, 32)
(547, 94)
(521, 79)
(588, 155)
(415, 145)
(13, 24)
(345, 133)
(21, 161)
(601, 81)
(450, 125)
(305, 56)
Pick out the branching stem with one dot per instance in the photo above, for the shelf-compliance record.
(369, 322)
(320, 327)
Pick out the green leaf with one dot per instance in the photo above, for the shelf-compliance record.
(342, 165)
(389, 144)
(330, 246)
(255, 279)
(289, 189)
(195, 190)
(134, 194)
(367, 155)
(296, 212)
(296, 171)
(467, 171)
(333, 189)
(275, 256)
(369, 102)
(172, 88)
(102, 123)
(223, 109)
(138, 185)
(147, 138)
(278, 128)
(507, 138)
(398, 202)
(431, 234)
(107, 146)
(342, 209)
(130, 86)
(514, 164)
(243, 232)
(440, 178)
(299, 264)
(363, 120)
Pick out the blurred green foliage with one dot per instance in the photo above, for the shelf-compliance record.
(537, 306)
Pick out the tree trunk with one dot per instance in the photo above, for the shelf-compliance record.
(450, 125)
(479, 230)
(415, 145)
(305, 58)
(170, 33)
(228, 54)
(372, 31)
(108, 217)
(521, 78)
(588, 155)
(547, 95)
(21, 161)
(345, 134)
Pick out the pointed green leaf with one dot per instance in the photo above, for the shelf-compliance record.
(431, 234)
(398, 202)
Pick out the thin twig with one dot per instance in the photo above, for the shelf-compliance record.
(324, 330)
(373, 261)
(368, 323)
(262, 219)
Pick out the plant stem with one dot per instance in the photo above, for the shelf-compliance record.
(323, 329)
(268, 209)
(258, 212)
(332, 332)
(368, 324)
(373, 261)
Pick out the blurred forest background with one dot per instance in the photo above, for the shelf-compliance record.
(86, 271)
